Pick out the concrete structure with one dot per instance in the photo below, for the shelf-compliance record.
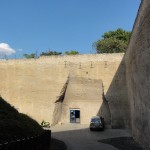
(84, 95)
(138, 76)
(50, 88)
(115, 86)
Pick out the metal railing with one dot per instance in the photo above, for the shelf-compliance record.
(38, 142)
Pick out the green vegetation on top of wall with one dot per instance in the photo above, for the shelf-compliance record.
(50, 53)
(72, 52)
(113, 41)
(14, 124)
(32, 55)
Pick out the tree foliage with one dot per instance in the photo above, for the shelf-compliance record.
(32, 55)
(72, 52)
(49, 53)
(113, 41)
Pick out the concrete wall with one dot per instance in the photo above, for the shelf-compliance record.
(138, 75)
(118, 100)
(84, 94)
(33, 86)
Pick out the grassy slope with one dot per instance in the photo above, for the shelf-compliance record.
(14, 124)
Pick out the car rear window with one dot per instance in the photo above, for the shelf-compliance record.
(95, 119)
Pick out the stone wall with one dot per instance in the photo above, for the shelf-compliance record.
(138, 75)
(34, 85)
(84, 94)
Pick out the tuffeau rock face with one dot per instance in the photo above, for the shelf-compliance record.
(138, 75)
(48, 87)
(115, 86)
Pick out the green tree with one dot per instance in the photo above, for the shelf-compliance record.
(49, 53)
(32, 55)
(72, 52)
(113, 41)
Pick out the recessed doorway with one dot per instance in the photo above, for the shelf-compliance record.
(74, 115)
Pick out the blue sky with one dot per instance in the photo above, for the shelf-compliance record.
(61, 25)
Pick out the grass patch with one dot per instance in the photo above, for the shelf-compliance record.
(14, 125)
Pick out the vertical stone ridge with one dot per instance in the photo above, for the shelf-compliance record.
(58, 104)
(61, 96)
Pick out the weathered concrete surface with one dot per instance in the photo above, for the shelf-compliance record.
(79, 137)
(57, 114)
(33, 86)
(138, 76)
(84, 94)
(118, 102)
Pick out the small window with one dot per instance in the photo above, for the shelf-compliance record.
(74, 116)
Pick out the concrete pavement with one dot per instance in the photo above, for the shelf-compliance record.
(79, 137)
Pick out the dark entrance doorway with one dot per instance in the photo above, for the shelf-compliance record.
(74, 116)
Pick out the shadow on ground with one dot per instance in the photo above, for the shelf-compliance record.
(57, 145)
(122, 143)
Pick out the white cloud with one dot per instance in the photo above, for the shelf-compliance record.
(5, 49)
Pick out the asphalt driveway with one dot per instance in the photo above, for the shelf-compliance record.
(79, 137)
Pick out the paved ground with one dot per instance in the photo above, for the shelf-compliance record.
(79, 137)
(57, 145)
(123, 143)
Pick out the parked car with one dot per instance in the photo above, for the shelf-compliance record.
(97, 123)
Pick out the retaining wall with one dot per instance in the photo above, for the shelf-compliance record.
(38, 142)
(33, 85)
(138, 75)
